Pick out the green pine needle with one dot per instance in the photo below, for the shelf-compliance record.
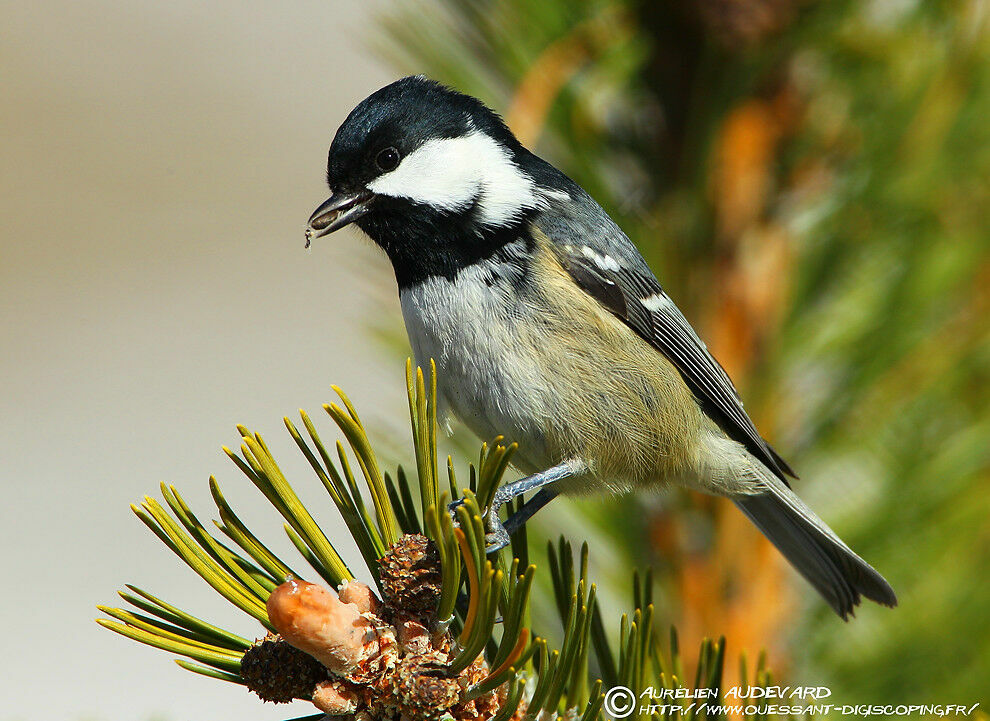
(495, 588)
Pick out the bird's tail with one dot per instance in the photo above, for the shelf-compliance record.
(828, 564)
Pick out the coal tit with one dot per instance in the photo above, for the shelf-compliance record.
(547, 326)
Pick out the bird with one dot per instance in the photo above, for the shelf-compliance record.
(548, 327)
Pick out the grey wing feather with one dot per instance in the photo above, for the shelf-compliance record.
(608, 266)
(678, 341)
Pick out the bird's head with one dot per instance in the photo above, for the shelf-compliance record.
(433, 176)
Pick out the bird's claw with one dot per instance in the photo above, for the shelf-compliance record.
(454, 505)
(452, 509)
(496, 538)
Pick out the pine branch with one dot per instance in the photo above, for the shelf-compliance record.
(448, 632)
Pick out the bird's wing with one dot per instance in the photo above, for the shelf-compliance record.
(618, 277)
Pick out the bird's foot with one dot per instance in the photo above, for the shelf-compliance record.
(452, 509)
(497, 537)
(454, 505)
(545, 482)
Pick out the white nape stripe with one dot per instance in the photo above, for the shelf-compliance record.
(555, 194)
(451, 173)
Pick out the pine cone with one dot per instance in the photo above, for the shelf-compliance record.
(410, 576)
(422, 688)
(278, 672)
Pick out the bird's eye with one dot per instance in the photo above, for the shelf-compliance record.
(388, 159)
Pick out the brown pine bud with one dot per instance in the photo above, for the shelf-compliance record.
(423, 689)
(410, 576)
(279, 672)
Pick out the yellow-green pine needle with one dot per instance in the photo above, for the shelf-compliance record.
(441, 529)
(548, 667)
(332, 481)
(512, 700)
(431, 417)
(402, 481)
(192, 551)
(513, 615)
(423, 446)
(222, 660)
(451, 477)
(235, 529)
(568, 652)
(306, 552)
(675, 654)
(211, 672)
(374, 544)
(595, 702)
(155, 517)
(395, 500)
(232, 563)
(159, 628)
(296, 513)
(356, 435)
(364, 532)
(155, 605)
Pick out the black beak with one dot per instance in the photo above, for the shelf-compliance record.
(339, 210)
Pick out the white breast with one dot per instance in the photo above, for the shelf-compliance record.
(488, 373)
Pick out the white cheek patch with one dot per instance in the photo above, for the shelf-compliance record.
(452, 173)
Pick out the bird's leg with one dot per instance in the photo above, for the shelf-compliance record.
(516, 521)
(498, 534)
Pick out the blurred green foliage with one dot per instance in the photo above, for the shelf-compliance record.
(811, 182)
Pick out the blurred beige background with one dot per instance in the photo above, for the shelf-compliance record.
(159, 161)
